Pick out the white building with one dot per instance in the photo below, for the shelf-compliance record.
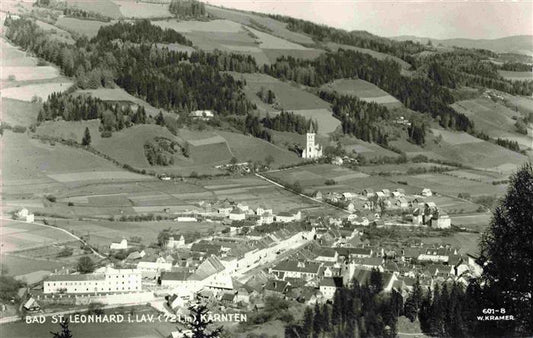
(202, 114)
(237, 215)
(427, 192)
(174, 244)
(102, 280)
(329, 285)
(122, 245)
(287, 217)
(24, 215)
(312, 150)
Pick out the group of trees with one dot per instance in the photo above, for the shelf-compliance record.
(361, 119)
(509, 144)
(140, 31)
(291, 122)
(113, 116)
(266, 95)
(357, 311)
(160, 151)
(417, 132)
(186, 9)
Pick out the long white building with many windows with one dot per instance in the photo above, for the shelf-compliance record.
(103, 280)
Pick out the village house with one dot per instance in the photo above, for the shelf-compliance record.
(102, 280)
(287, 217)
(276, 287)
(329, 285)
(237, 215)
(266, 218)
(31, 305)
(317, 195)
(368, 192)
(179, 280)
(122, 245)
(153, 266)
(296, 269)
(326, 255)
(441, 220)
(175, 244)
(262, 210)
(368, 263)
(426, 192)
(398, 192)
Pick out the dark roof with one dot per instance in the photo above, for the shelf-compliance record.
(63, 278)
(325, 252)
(277, 285)
(290, 265)
(228, 297)
(180, 275)
(332, 282)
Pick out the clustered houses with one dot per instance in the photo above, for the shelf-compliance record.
(367, 207)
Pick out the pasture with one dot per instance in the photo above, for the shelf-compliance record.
(450, 185)
(84, 27)
(466, 242)
(42, 90)
(495, 119)
(380, 56)
(12, 56)
(213, 26)
(119, 95)
(29, 164)
(288, 96)
(368, 150)
(364, 90)
(19, 236)
(268, 41)
(260, 22)
(142, 10)
(16, 112)
(28, 73)
(105, 7)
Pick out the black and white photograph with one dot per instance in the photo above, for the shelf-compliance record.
(266, 168)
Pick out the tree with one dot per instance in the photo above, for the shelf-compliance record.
(85, 265)
(318, 323)
(163, 237)
(200, 322)
(376, 281)
(269, 159)
(65, 331)
(86, 141)
(307, 326)
(507, 256)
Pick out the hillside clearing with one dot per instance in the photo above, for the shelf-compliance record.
(16, 112)
(364, 90)
(26, 93)
(516, 76)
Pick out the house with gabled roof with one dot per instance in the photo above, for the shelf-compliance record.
(329, 285)
(275, 287)
(296, 269)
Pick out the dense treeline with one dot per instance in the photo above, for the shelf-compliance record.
(362, 119)
(419, 94)
(291, 122)
(82, 107)
(160, 151)
(187, 8)
(266, 95)
(509, 144)
(161, 77)
(357, 311)
(140, 31)
(360, 39)
(516, 67)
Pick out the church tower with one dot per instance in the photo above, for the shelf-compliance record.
(312, 150)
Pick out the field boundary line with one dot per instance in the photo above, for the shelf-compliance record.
(59, 229)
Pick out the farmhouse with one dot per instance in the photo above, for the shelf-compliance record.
(202, 114)
(24, 215)
(105, 279)
(426, 192)
(237, 215)
(287, 217)
(31, 305)
(122, 245)
(441, 220)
